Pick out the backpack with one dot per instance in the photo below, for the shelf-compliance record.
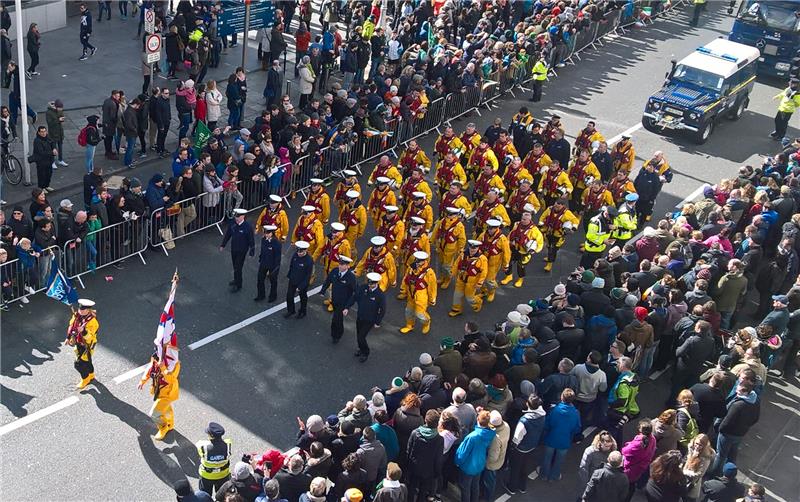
(82, 135)
(692, 430)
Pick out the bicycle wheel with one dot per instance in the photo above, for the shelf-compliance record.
(13, 170)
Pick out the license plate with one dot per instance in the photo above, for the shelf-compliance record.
(674, 111)
(771, 50)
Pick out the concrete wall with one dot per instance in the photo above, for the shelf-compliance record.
(48, 14)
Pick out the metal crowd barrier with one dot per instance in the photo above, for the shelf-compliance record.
(430, 121)
(168, 224)
(24, 277)
(458, 104)
(111, 244)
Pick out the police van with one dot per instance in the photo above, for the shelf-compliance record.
(711, 83)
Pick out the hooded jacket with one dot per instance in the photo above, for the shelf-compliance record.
(431, 394)
(743, 413)
(471, 453)
(425, 451)
(561, 425)
(591, 380)
(529, 429)
(373, 458)
(637, 454)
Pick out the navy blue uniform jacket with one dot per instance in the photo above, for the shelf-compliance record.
(241, 237)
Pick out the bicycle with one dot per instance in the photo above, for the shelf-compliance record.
(10, 166)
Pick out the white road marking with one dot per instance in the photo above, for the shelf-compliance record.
(502, 498)
(588, 431)
(247, 322)
(533, 476)
(27, 419)
(627, 132)
(131, 374)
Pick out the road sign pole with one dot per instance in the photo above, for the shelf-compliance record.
(246, 32)
(23, 93)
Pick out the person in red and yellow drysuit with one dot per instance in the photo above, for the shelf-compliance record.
(378, 259)
(554, 184)
(623, 154)
(555, 222)
(382, 195)
(413, 157)
(420, 208)
(415, 183)
(274, 214)
(384, 167)
(354, 218)
(319, 198)
(524, 240)
(309, 228)
(449, 236)
(448, 142)
(520, 198)
(494, 245)
(470, 272)
(491, 207)
(350, 182)
(448, 170)
(420, 289)
(393, 229)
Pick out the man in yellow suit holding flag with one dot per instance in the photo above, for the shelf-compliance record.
(82, 336)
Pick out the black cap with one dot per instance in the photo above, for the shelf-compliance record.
(612, 211)
(215, 429)
(182, 487)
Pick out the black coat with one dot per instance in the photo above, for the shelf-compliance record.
(161, 113)
(711, 404)
(594, 302)
(571, 340)
(425, 453)
(292, 485)
(371, 304)
(343, 287)
(722, 489)
(740, 417)
(270, 255)
(300, 270)
(694, 352)
(43, 151)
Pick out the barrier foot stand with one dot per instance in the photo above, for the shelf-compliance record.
(522, 87)
(511, 91)
(164, 248)
(478, 111)
(286, 201)
(81, 282)
(141, 257)
(358, 170)
(219, 229)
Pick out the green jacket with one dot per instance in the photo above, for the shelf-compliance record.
(55, 128)
(93, 226)
(730, 289)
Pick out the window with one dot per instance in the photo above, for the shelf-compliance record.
(777, 15)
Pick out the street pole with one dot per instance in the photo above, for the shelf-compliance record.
(23, 94)
(246, 31)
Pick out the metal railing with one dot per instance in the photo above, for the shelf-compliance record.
(22, 277)
(186, 217)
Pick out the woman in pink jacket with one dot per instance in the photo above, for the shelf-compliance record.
(638, 453)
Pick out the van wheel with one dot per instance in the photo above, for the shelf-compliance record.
(737, 112)
(704, 133)
(649, 124)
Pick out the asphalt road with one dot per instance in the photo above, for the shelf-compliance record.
(97, 445)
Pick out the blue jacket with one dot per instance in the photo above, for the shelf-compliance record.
(300, 270)
(343, 287)
(178, 165)
(519, 350)
(561, 425)
(155, 196)
(471, 453)
(388, 438)
(270, 255)
(533, 422)
(241, 237)
(371, 304)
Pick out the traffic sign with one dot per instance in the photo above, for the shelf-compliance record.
(149, 21)
(153, 46)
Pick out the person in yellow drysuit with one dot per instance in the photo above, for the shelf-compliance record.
(524, 240)
(447, 171)
(320, 199)
(514, 173)
(623, 154)
(165, 390)
(554, 183)
(481, 156)
(504, 150)
(491, 207)
(487, 179)
(471, 270)
(336, 245)
(350, 182)
(385, 168)
(581, 171)
(393, 229)
(414, 183)
(274, 214)
(471, 140)
(419, 289)
(412, 158)
(354, 218)
(587, 136)
(494, 244)
(421, 209)
(448, 142)
(454, 197)
(620, 186)
(448, 239)
(82, 336)
(556, 221)
(378, 259)
(521, 197)
(309, 229)
(381, 196)
(416, 239)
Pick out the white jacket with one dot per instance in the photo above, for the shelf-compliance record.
(213, 101)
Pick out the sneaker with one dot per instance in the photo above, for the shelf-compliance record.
(54, 165)
(509, 490)
(35, 73)
(28, 75)
(30, 290)
(49, 189)
(83, 58)
(2, 202)
(94, 49)
(142, 155)
(63, 163)
(25, 300)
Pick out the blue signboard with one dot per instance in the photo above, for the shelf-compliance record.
(231, 19)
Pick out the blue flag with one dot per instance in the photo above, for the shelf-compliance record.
(59, 287)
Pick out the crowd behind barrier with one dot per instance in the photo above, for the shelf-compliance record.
(164, 226)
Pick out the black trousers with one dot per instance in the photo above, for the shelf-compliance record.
(516, 257)
(212, 485)
(588, 258)
(552, 248)
(644, 208)
(537, 90)
(108, 141)
(85, 368)
(160, 138)
(238, 262)
(362, 330)
(337, 322)
(34, 61)
(781, 123)
(293, 289)
(263, 272)
(44, 172)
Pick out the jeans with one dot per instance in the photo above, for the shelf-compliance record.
(90, 157)
(233, 116)
(725, 319)
(86, 45)
(470, 487)
(130, 148)
(92, 254)
(646, 363)
(488, 483)
(727, 448)
(186, 121)
(551, 463)
(60, 148)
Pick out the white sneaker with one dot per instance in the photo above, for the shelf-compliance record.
(30, 290)
(25, 300)
(54, 165)
(63, 163)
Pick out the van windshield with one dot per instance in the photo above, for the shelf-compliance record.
(777, 15)
(698, 77)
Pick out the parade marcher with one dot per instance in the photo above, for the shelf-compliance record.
(490, 207)
(524, 240)
(471, 269)
(449, 169)
(385, 168)
(448, 142)
(371, 308)
(393, 229)
(522, 196)
(215, 458)
(240, 233)
(165, 390)
(620, 186)
(380, 197)
(515, 172)
(588, 136)
(487, 179)
(82, 336)
(554, 183)
(301, 271)
(598, 236)
(520, 131)
(454, 197)
(448, 236)
(504, 151)
(274, 214)
(420, 208)
(414, 183)
(536, 162)
(309, 229)
(269, 264)
(581, 174)
(416, 239)
(480, 157)
(789, 102)
(648, 185)
(413, 157)
(594, 197)
(336, 246)
(551, 128)
(343, 284)
(556, 221)
(319, 198)
(354, 218)
(623, 154)
(377, 259)
(349, 183)
(625, 222)
(419, 288)
(471, 139)
(495, 246)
